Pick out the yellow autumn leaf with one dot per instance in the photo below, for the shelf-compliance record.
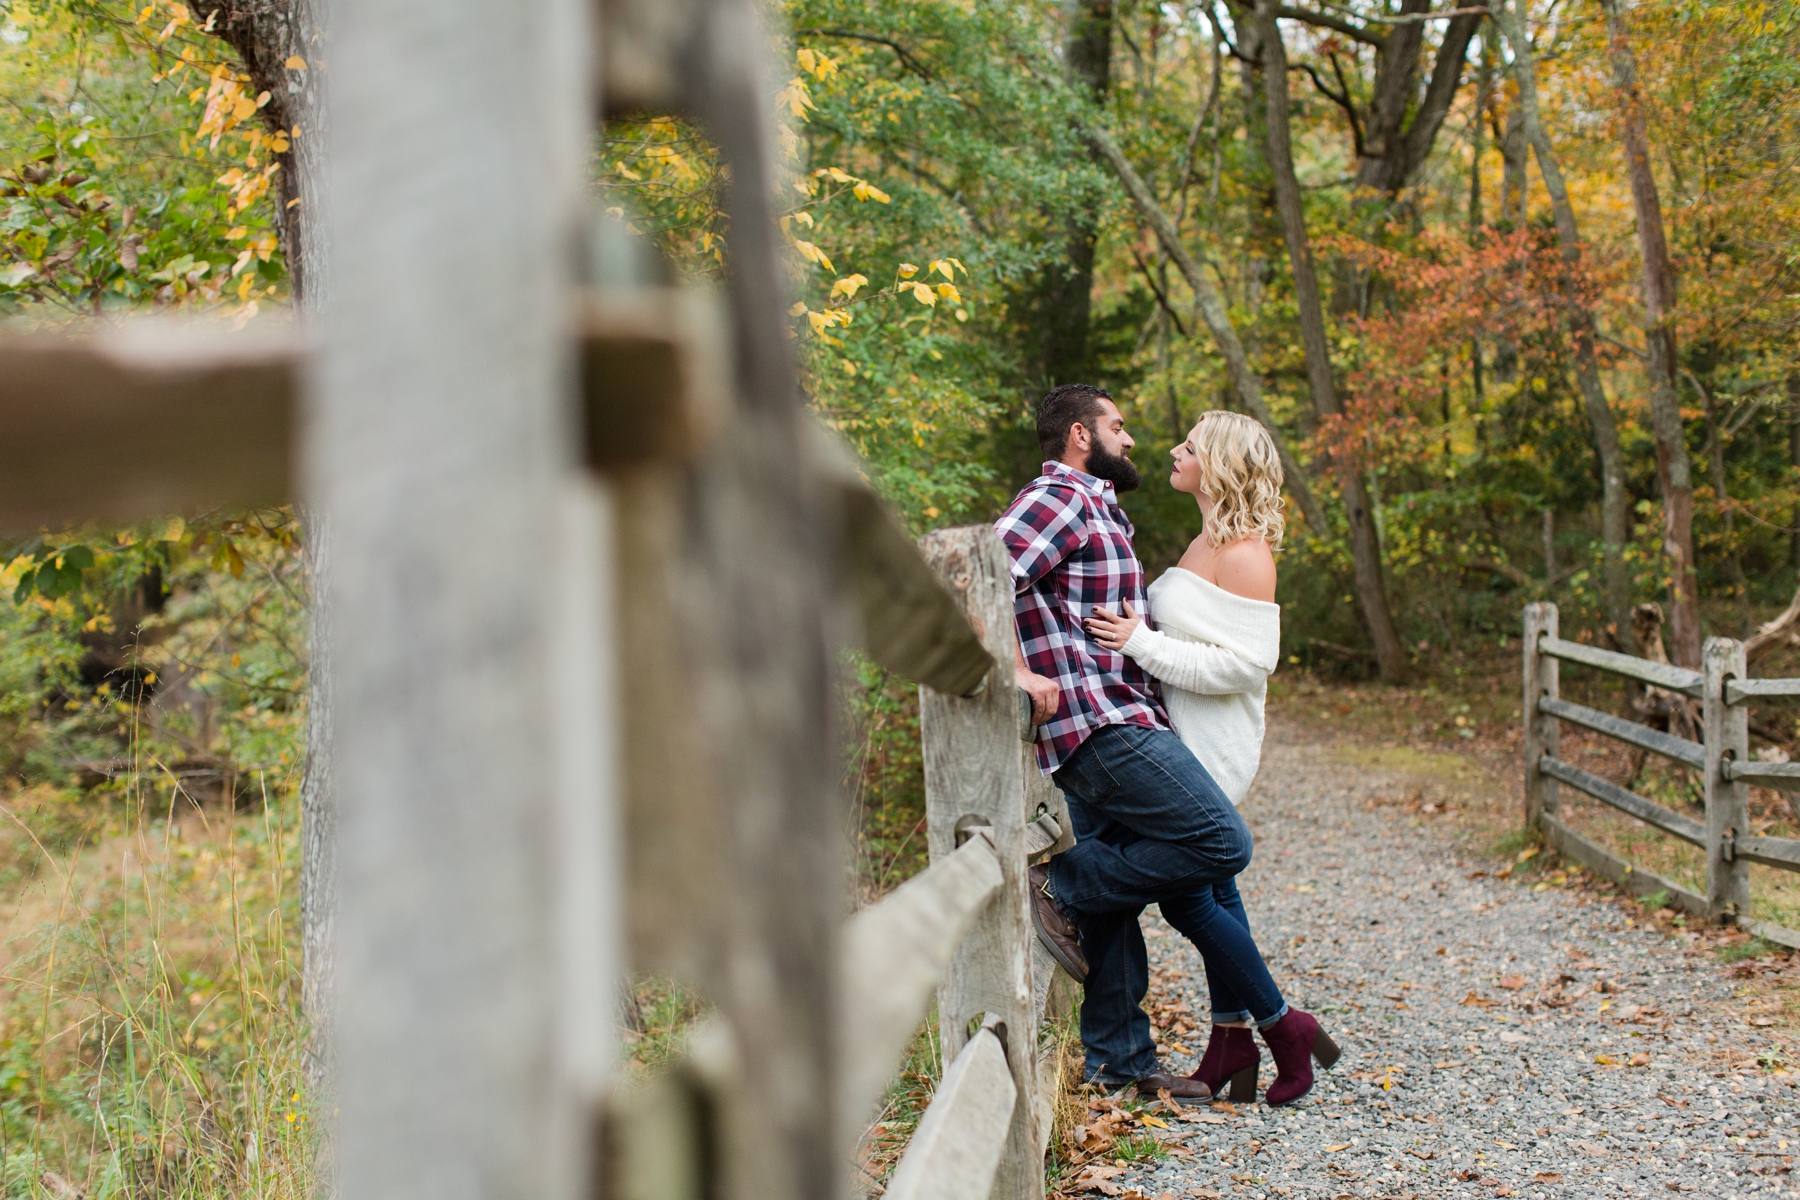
(1159, 1123)
(907, 270)
(798, 308)
(806, 58)
(962, 314)
(824, 66)
(948, 291)
(803, 218)
(957, 263)
(868, 191)
(819, 321)
(812, 253)
(295, 63)
(848, 286)
(924, 295)
(942, 267)
(236, 232)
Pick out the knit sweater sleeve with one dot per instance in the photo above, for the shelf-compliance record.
(1193, 666)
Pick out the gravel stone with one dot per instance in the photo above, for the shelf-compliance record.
(1472, 1012)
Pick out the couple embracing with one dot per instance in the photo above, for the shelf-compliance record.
(1153, 734)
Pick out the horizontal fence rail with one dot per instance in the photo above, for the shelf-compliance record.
(1721, 757)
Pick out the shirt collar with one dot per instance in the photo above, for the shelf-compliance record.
(1092, 484)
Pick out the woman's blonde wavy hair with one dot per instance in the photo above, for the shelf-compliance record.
(1240, 470)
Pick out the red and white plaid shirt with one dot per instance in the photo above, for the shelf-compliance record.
(1071, 553)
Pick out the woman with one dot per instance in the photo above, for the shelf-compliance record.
(1220, 637)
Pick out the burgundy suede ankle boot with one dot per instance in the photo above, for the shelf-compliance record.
(1230, 1054)
(1294, 1042)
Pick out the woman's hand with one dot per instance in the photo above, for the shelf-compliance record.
(1112, 630)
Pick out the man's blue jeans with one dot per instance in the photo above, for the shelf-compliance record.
(1152, 827)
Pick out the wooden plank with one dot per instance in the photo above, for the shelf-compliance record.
(1675, 679)
(1608, 865)
(152, 418)
(1539, 678)
(438, 434)
(1785, 776)
(975, 771)
(1773, 852)
(1043, 800)
(1726, 732)
(1679, 749)
(894, 953)
(655, 372)
(1779, 934)
(1647, 811)
(910, 623)
(955, 1153)
(1739, 690)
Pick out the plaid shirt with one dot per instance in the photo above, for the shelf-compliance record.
(1071, 552)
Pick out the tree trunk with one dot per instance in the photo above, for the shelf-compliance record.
(1365, 549)
(1614, 499)
(267, 37)
(1659, 340)
(1734, 562)
(1068, 293)
(1793, 391)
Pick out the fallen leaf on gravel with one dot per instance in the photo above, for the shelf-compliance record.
(1547, 1177)
(1503, 1190)
(1476, 875)
(1207, 1118)
(1468, 1176)
(1640, 1059)
(1477, 1001)
(1513, 1038)
(1593, 1148)
(1426, 1154)
(1205, 1194)
(1445, 1066)
(1506, 1145)
(1762, 1022)
(1156, 1121)
(1336, 1148)
(1224, 1107)
(1512, 983)
(1606, 1060)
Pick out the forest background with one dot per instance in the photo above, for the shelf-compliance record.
(1414, 241)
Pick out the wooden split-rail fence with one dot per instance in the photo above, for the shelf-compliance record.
(582, 569)
(1723, 690)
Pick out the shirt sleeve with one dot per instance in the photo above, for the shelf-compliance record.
(1199, 667)
(1041, 528)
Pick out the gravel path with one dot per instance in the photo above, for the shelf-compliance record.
(1498, 1040)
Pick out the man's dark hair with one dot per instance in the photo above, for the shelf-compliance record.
(1065, 407)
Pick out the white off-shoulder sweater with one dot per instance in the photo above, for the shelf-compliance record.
(1213, 652)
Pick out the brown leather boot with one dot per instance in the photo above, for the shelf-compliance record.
(1182, 1087)
(1054, 929)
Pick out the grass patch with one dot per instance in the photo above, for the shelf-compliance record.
(1140, 1148)
(1752, 947)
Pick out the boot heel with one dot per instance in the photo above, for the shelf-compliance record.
(1325, 1051)
(1243, 1086)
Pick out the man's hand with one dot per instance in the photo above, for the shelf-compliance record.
(1043, 692)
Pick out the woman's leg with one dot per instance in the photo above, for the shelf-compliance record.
(1227, 1007)
(1234, 968)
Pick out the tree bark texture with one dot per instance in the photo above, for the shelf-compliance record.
(1672, 467)
(1393, 147)
(1614, 499)
(1365, 549)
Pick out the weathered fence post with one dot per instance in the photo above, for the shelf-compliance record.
(974, 774)
(1727, 736)
(439, 440)
(1541, 679)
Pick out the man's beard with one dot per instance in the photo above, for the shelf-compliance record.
(1116, 469)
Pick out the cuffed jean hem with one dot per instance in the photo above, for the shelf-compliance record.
(1230, 1018)
(1264, 1024)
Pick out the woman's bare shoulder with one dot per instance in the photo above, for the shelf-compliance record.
(1246, 568)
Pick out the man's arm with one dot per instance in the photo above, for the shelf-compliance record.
(1044, 693)
(1040, 529)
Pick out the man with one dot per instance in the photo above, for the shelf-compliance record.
(1151, 825)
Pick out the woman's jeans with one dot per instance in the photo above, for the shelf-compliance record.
(1152, 827)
